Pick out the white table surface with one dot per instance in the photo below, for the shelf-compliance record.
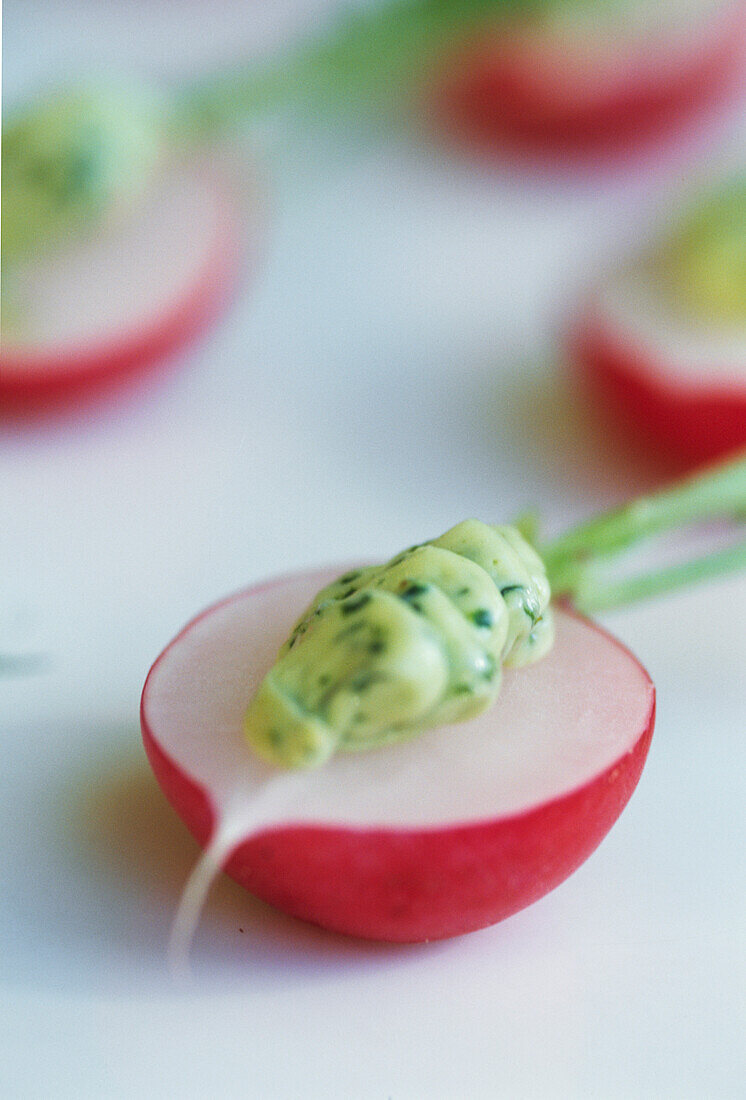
(388, 370)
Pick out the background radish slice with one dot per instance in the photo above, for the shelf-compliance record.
(452, 831)
(525, 92)
(122, 301)
(676, 387)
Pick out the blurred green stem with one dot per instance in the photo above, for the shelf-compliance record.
(11, 665)
(367, 50)
(572, 560)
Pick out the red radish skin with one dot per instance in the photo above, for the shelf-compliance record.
(36, 377)
(688, 420)
(518, 93)
(409, 883)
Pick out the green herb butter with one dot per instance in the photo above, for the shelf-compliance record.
(72, 157)
(387, 651)
(704, 263)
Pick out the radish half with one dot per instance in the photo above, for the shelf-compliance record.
(115, 304)
(675, 385)
(449, 832)
(534, 89)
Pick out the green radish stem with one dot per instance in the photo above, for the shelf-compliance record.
(365, 51)
(73, 157)
(572, 559)
(11, 665)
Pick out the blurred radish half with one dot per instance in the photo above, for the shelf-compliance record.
(581, 78)
(116, 302)
(440, 835)
(454, 827)
(661, 343)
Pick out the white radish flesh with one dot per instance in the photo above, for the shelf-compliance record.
(560, 726)
(685, 350)
(130, 293)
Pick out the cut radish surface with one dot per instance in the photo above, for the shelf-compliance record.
(124, 300)
(449, 832)
(576, 93)
(674, 384)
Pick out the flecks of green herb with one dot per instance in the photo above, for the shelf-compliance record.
(349, 607)
(511, 588)
(348, 631)
(349, 577)
(413, 590)
(364, 680)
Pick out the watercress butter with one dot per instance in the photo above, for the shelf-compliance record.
(387, 651)
(704, 264)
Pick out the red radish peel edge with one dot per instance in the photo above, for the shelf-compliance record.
(405, 881)
(53, 372)
(688, 419)
(511, 93)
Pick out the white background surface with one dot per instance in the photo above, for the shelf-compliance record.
(387, 370)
